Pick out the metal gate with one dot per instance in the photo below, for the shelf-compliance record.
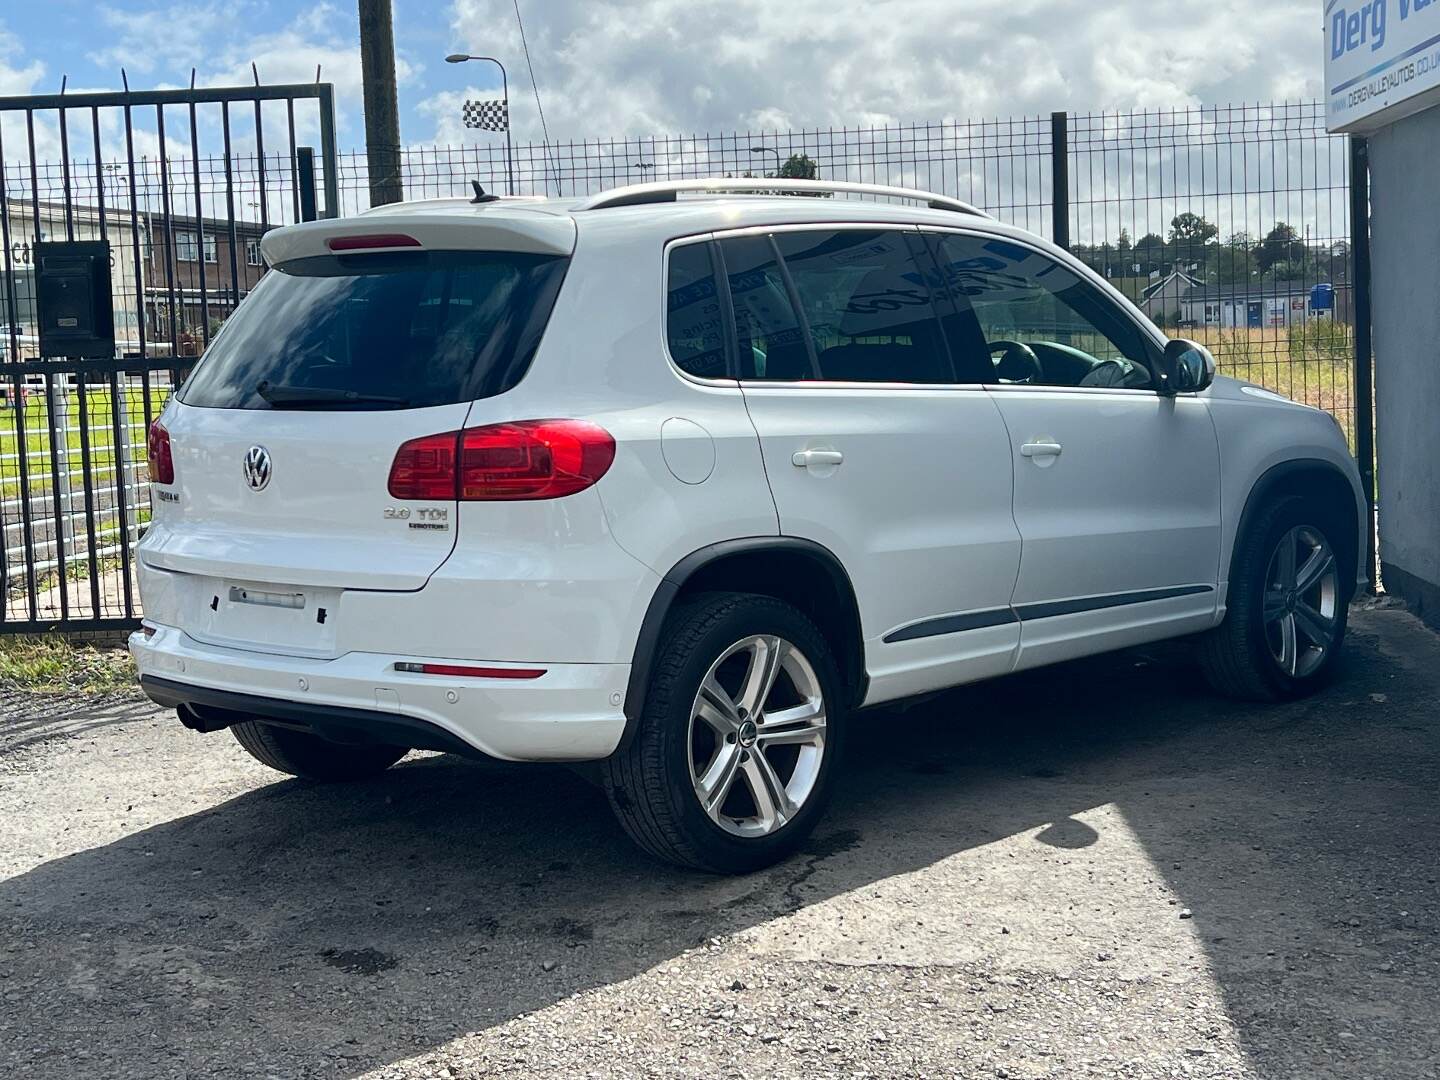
(181, 185)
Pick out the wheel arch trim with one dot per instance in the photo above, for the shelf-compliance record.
(1276, 475)
(647, 643)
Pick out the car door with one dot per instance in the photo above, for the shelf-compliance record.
(1117, 486)
(875, 449)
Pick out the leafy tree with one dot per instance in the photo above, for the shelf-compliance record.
(799, 167)
(1151, 253)
(1234, 260)
(1192, 229)
(1281, 244)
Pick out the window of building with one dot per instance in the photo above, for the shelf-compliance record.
(252, 253)
(212, 250)
(186, 247)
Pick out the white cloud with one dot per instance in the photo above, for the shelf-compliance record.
(611, 67)
(18, 75)
(185, 30)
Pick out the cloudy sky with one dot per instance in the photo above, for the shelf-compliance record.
(607, 67)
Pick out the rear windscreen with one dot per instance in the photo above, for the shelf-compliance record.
(391, 331)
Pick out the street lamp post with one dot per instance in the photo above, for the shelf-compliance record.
(768, 150)
(460, 58)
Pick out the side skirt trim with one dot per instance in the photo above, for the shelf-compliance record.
(952, 624)
(1049, 609)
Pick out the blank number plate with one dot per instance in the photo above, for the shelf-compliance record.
(266, 599)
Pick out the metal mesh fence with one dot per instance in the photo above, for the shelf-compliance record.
(1226, 224)
(1000, 165)
(1230, 224)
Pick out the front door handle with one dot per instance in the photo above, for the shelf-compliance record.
(1044, 448)
(805, 459)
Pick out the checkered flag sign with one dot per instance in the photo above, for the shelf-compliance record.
(487, 115)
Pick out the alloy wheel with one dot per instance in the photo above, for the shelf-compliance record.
(1302, 590)
(756, 738)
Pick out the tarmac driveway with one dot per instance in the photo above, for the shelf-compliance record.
(1098, 869)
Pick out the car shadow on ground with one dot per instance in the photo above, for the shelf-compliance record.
(343, 928)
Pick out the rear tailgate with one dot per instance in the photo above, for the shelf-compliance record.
(358, 341)
(324, 517)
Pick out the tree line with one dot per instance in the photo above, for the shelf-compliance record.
(1194, 247)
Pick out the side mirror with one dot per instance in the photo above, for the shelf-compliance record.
(1188, 366)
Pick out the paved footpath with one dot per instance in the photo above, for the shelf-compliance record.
(1099, 870)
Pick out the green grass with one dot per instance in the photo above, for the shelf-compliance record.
(51, 664)
(99, 419)
(1311, 363)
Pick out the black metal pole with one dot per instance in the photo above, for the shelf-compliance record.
(509, 153)
(1060, 179)
(1364, 359)
(305, 170)
(382, 107)
(460, 58)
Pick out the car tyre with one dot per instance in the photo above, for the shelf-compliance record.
(1280, 605)
(300, 753)
(733, 757)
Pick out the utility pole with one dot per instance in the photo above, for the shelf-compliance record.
(382, 106)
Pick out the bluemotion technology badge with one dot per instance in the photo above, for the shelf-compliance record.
(257, 468)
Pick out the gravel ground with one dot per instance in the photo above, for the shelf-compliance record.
(1096, 870)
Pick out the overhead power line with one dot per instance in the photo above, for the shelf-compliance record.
(544, 130)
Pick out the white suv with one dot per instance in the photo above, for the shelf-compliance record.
(677, 484)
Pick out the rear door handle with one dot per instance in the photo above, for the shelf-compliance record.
(1040, 449)
(805, 459)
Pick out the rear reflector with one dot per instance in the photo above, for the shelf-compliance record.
(376, 242)
(529, 459)
(162, 464)
(466, 672)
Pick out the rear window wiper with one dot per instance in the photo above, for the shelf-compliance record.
(281, 396)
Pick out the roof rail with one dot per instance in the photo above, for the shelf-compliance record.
(667, 191)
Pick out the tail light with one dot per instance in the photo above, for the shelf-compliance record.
(425, 468)
(529, 459)
(162, 465)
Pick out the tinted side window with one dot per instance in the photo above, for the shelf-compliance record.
(693, 324)
(865, 309)
(768, 332)
(1042, 323)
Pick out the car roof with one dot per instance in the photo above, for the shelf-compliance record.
(655, 212)
(689, 214)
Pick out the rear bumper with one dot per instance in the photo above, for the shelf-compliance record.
(574, 712)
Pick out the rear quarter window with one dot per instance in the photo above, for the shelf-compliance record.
(405, 330)
(693, 322)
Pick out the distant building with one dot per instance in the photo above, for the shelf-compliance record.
(166, 287)
(1258, 306)
(1162, 298)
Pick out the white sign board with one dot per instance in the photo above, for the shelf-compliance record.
(1382, 61)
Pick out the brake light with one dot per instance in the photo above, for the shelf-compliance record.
(162, 465)
(374, 242)
(529, 459)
